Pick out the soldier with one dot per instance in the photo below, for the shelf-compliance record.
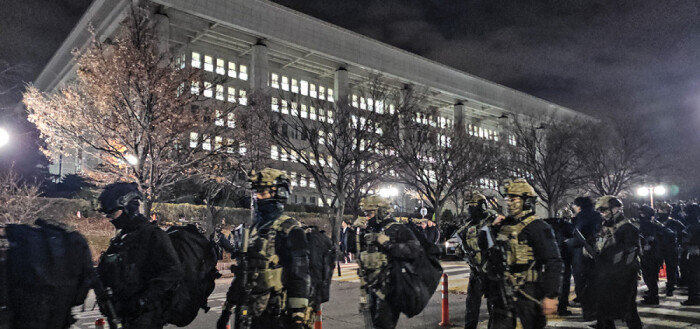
(671, 252)
(655, 238)
(140, 265)
(588, 222)
(479, 216)
(277, 290)
(691, 254)
(616, 266)
(563, 230)
(534, 265)
(381, 239)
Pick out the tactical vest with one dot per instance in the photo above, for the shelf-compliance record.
(372, 259)
(471, 240)
(519, 255)
(264, 265)
(607, 238)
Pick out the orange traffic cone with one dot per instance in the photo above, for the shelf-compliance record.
(662, 273)
(100, 323)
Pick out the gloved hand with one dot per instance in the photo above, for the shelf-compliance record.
(296, 319)
(223, 319)
(382, 239)
(360, 222)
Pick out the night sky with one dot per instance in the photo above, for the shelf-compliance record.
(627, 58)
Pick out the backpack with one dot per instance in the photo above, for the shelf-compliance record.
(48, 271)
(413, 283)
(198, 258)
(321, 264)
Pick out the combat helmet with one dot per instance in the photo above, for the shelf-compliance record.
(607, 202)
(521, 188)
(375, 203)
(665, 208)
(120, 196)
(273, 179)
(477, 197)
(565, 213)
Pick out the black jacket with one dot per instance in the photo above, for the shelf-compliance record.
(402, 244)
(141, 266)
(347, 240)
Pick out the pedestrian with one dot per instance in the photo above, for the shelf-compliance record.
(563, 230)
(533, 262)
(480, 215)
(347, 242)
(278, 285)
(140, 265)
(691, 254)
(432, 232)
(616, 267)
(382, 240)
(671, 254)
(588, 222)
(656, 239)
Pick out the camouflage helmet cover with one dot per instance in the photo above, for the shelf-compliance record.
(476, 198)
(374, 203)
(268, 177)
(608, 201)
(565, 213)
(519, 187)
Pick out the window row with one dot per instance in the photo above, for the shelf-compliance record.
(218, 65)
(303, 87)
(485, 133)
(278, 153)
(486, 183)
(369, 104)
(303, 110)
(438, 121)
(300, 180)
(220, 92)
(230, 145)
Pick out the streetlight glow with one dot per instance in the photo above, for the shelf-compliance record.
(659, 190)
(643, 191)
(388, 192)
(131, 159)
(4, 137)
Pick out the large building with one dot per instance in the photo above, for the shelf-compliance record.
(259, 44)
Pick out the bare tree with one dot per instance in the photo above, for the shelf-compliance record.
(336, 143)
(436, 160)
(10, 77)
(138, 109)
(19, 202)
(545, 155)
(616, 155)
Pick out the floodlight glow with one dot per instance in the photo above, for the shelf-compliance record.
(660, 190)
(643, 191)
(4, 137)
(388, 192)
(131, 159)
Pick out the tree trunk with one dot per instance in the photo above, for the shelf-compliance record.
(335, 223)
(147, 207)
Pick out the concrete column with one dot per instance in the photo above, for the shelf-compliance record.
(459, 124)
(163, 30)
(259, 67)
(341, 85)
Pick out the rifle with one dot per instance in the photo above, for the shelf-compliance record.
(497, 266)
(103, 295)
(586, 245)
(243, 319)
(364, 308)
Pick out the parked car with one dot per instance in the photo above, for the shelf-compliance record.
(453, 247)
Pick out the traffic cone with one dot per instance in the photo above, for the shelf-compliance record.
(318, 324)
(662, 273)
(100, 323)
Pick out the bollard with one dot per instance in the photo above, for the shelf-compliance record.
(662, 272)
(319, 320)
(100, 323)
(445, 322)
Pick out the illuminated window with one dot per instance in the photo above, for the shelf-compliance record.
(295, 86)
(232, 69)
(220, 66)
(195, 88)
(242, 149)
(330, 116)
(273, 152)
(363, 103)
(242, 97)
(208, 92)
(392, 109)
(355, 101)
(196, 60)
(285, 83)
(312, 90)
(219, 119)
(370, 104)
(284, 107)
(208, 63)
(302, 181)
(274, 105)
(230, 143)
(293, 178)
(243, 72)
(312, 113)
(218, 142)
(294, 111)
(232, 120)
(330, 95)
(321, 92)
(304, 111)
(304, 86)
(231, 97)
(274, 80)
(220, 92)
(206, 144)
(194, 139)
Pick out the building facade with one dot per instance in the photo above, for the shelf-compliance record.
(257, 44)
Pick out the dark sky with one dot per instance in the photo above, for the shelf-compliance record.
(634, 58)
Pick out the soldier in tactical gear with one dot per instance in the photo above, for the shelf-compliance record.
(563, 230)
(534, 265)
(381, 240)
(671, 252)
(616, 267)
(278, 261)
(480, 215)
(588, 222)
(140, 265)
(691, 254)
(655, 239)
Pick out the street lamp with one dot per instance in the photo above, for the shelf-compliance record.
(131, 159)
(650, 190)
(4, 137)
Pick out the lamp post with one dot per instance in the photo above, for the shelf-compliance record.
(650, 190)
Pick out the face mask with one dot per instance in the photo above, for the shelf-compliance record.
(515, 207)
(268, 209)
(123, 221)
